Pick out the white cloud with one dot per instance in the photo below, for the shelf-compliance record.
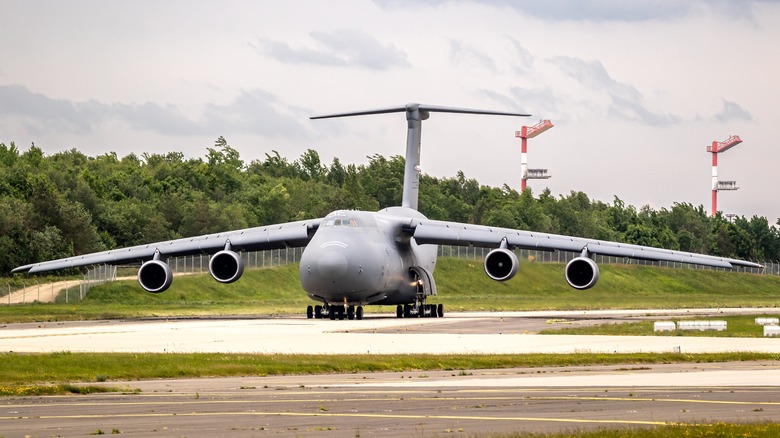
(345, 48)
(255, 111)
(732, 111)
(462, 54)
(603, 10)
(39, 112)
(626, 102)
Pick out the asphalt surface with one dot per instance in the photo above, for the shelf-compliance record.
(458, 333)
(440, 403)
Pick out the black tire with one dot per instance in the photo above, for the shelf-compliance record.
(318, 311)
(399, 311)
(440, 310)
(407, 311)
(351, 312)
(359, 313)
(309, 312)
(332, 313)
(341, 314)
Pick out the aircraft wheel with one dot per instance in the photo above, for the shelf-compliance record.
(318, 311)
(407, 311)
(440, 310)
(399, 311)
(351, 312)
(359, 313)
(433, 311)
(309, 312)
(341, 314)
(332, 314)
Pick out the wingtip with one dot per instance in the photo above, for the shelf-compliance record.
(21, 269)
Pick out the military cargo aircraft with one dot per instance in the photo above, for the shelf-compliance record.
(356, 258)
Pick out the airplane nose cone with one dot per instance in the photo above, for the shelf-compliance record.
(332, 265)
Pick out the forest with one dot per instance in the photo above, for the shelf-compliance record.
(68, 203)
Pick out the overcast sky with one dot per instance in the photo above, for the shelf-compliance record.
(636, 89)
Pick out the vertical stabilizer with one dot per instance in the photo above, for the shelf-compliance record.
(415, 114)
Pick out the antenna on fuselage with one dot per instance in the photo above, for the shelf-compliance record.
(415, 114)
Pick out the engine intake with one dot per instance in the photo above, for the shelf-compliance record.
(155, 276)
(226, 266)
(582, 273)
(501, 264)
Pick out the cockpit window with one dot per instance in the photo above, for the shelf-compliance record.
(340, 221)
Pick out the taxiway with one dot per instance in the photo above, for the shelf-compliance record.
(425, 403)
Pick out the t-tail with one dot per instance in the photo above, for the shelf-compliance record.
(415, 114)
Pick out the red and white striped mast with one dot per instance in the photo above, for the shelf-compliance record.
(524, 134)
(717, 148)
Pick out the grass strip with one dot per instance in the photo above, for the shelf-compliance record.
(738, 326)
(707, 430)
(57, 389)
(51, 369)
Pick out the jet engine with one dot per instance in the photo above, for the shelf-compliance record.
(582, 273)
(155, 276)
(226, 266)
(501, 264)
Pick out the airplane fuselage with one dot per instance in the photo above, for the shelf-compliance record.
(360, 257)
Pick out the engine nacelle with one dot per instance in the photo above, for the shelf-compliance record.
(155, 276)
(582, 273)
(501, 264)
(226, 266)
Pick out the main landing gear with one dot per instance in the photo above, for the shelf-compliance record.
(334, 312)
(417, 310)
(425, 288)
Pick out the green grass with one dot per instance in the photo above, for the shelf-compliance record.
(712, 430)
(541, 286)
(25, 390)
(462, 285)
(740, 326)
(26, 373)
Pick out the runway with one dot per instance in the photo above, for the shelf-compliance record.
(458, 333)
(451, 403)
(424, 403)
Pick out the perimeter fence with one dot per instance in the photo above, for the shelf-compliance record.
(32, 289)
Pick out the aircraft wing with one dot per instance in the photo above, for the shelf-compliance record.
(454, 233)
(290, 234)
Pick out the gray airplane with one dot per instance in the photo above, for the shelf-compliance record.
(355, 258)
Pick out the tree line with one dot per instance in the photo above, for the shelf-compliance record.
(68, 203)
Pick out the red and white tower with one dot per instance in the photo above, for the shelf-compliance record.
(717, 148)
(524, 134)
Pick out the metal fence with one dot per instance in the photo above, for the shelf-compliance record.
(252, 260)
(33, 291)
(29, 290)
(535, 256)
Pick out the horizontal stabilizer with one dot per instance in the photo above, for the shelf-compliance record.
(422, 108)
